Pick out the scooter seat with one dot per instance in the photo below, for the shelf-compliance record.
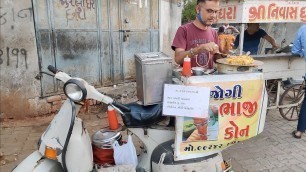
(142, 116)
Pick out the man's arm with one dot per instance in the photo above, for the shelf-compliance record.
(271, 41)
(234, 29)
(303, 42)
(180, 54)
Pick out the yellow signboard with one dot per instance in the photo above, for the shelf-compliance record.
(237, 107)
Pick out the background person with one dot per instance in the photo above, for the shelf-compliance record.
(197, 39)
(252, 36)
(299, 46)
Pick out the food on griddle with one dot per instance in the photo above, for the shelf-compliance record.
(240, 60)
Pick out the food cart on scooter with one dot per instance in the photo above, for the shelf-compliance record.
(236, 97)
(282, 70)
(233, 110)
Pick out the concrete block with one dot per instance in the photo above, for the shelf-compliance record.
(94, 102)
(35, 135)
(63, 97)
(10, 150)
(253, 168)
(279, 169)
(7, 167)
(236, 166)
(264, 162)
(6, 131)
(29, 147)
(91, 102)
(54, 98)
(250, 162)
(54, 109)
(298, 157)
(33, 138)
(57, 103)
(8, 140)
(38, 106)
(21, 137)
(302, 165)
(299, 145)
(296, 168)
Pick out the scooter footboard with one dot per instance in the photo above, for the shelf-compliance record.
(36, 162)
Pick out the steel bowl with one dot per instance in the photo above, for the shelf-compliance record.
(198, 71)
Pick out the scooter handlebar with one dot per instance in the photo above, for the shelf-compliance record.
(52, 69)
(121, 106)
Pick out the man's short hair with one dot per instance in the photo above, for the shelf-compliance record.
(198, 1)
(221, 29)
(248, 24)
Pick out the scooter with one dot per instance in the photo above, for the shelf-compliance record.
(66, 145)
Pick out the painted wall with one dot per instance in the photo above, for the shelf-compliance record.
(19, 62)
(171, 10)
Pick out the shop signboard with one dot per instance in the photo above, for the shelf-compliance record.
(237, 112)
(262, 11)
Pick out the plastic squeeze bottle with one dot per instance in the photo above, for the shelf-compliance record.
(186, 67)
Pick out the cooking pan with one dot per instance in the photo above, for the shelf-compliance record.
(224, 67)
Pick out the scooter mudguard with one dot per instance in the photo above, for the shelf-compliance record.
(36, 162)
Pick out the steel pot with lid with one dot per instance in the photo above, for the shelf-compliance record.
(105, 138)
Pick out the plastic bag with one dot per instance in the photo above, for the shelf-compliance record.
(125, 154)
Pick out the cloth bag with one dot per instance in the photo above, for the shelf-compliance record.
(126, 153)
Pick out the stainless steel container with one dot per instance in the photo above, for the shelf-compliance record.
(153, 70)
(105, 139)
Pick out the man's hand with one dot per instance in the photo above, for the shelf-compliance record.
(234, 29)
(275, 47)
(209, 47)
(271, 41)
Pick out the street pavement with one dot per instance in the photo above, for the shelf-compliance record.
(273, 150)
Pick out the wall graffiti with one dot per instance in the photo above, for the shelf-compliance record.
(7, 14)
(76, 9)
(13, 52)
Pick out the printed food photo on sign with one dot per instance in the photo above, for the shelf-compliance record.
(200, 129)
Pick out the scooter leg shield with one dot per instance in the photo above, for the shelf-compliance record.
(36, 162)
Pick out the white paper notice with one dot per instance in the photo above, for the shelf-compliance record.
(189, 101)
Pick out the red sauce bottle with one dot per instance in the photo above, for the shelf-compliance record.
(186, 67)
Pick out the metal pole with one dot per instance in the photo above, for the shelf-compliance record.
(241, 38)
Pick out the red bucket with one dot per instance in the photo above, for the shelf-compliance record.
(102, 156)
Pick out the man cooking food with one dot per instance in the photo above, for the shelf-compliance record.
(197, 39)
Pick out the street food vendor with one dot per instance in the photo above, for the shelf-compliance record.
(197, 39)
(252, 36)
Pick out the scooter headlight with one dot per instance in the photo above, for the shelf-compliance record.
(75, 90)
